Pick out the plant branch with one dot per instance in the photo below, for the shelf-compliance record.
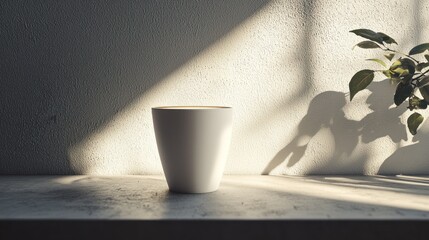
(391, 50)
(421, 75)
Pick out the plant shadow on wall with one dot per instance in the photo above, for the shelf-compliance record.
(68, 68)
(406, 73)
(326, 111)
(412, 159)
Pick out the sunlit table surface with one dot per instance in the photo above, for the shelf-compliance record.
(239, 197)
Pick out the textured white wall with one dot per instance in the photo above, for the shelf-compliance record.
(81, 103)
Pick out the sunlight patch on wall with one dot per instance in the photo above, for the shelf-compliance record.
(247, 69)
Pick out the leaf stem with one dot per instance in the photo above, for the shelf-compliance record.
(391, 50)
(421, 75)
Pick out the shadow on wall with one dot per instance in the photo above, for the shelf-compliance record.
(326, 111)
(412, 159)
(68, 67)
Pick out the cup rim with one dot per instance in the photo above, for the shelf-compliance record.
(191, 107)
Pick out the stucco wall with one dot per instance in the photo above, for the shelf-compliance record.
(78, 79)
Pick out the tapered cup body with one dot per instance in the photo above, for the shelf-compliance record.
(193, 144)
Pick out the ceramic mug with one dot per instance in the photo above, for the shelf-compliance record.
(193, 144)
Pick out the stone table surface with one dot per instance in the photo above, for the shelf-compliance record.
(239, 197)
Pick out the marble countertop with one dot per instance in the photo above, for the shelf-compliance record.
(238, 198)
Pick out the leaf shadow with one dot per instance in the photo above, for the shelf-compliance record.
(411, 159)
(384, 120)
(327, 111)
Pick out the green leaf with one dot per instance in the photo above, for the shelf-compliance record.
(367, 44)
(404, 68)
(402, 72)
(395, 64)
(387, 73)
(407, 62)
(422, 66)
(414, 121)
(389, 56)
(386, 38)
(360, 81)
(414, 101)
(419, 49)
(368, 34)
(417, 103)
(377, 61)
(410, 66)
(403, 91)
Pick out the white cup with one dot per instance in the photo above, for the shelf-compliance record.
(193, 144)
